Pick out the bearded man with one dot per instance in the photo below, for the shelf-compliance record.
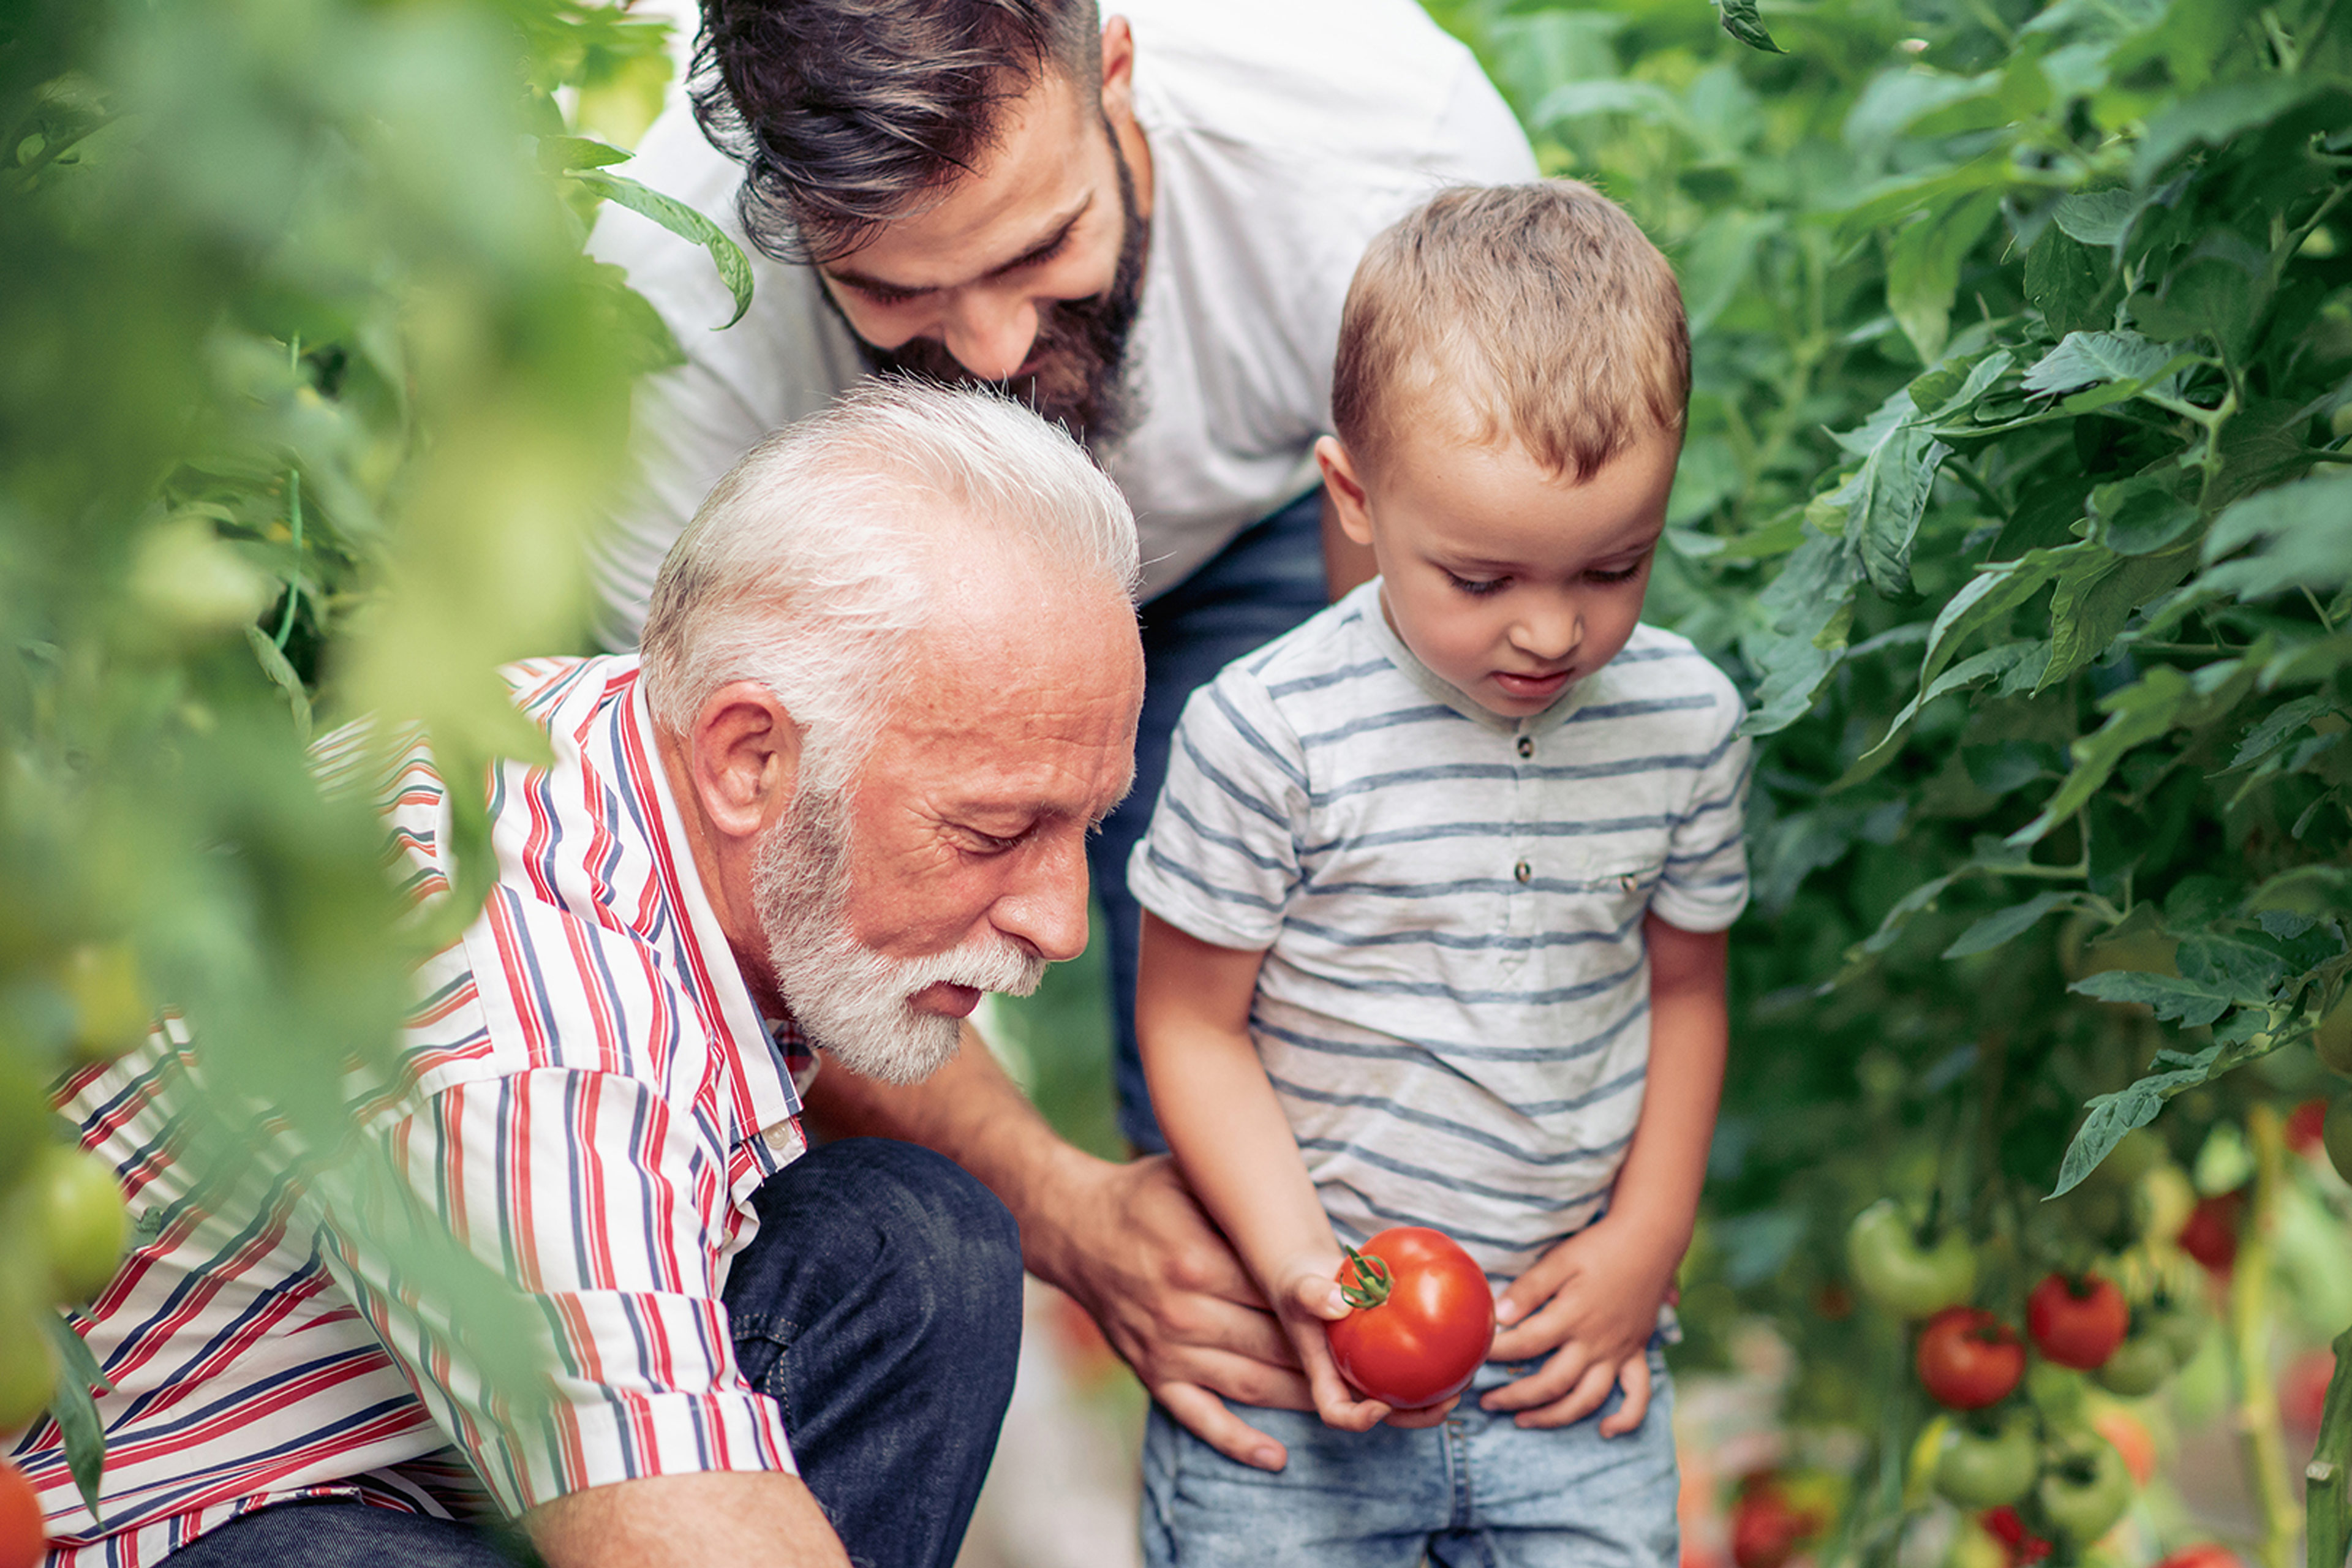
(889, 684)
(1144, 226)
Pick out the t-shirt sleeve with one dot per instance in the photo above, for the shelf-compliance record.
(1220, 860)
(1476, 140)
(1704, 885)
(602, 1200)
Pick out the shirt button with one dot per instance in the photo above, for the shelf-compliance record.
(1527, 745)
(1523, 870)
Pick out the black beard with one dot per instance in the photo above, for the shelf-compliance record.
(1080, 349)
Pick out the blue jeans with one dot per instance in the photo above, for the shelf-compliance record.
(1477, 1491)
(1267, 581)
(880, 1306)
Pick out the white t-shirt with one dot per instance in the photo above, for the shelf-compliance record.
(1284, 135)
(1455, 1004)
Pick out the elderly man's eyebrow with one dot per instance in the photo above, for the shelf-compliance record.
(1041, 251)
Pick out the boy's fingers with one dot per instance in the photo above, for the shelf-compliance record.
(1633, 1377)
(1591, 1392)
(1550, 1325)
(1547, 1383)
(1204, 1415)
(1321, 1297)
(1423, 1415)
(1537, 1285)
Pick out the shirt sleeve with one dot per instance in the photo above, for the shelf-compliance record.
(1704, 885)
(1220, 860)
(599, 1200)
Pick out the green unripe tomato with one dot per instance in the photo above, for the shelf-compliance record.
(28, 1375)
(2085, 1489)
(110, 1012)
(2332, 1040)
(81, 1220)
(1896, 1271)
(1990, 1468)
(2336, 1135)
(2177, 1320)
(24, 1121)
(2139, 1366)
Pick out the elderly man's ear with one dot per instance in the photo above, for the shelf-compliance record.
(745, 757)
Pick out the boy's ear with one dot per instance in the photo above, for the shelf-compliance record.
(1345, 490)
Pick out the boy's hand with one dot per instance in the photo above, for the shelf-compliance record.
(1590, 1305)
(1308, 1300)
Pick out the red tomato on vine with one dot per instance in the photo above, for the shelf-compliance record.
(1424, 1318)
(2211, 1233)
(1767, 1527)
(2077, 1320)
(2024, 1547)
(1968, 1359)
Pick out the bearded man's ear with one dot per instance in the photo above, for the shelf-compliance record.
(746, 758)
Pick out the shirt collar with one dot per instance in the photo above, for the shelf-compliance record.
(1366, 600)
(710, 958)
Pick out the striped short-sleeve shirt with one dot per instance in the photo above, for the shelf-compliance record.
(1453, 1006)
(588, 1099)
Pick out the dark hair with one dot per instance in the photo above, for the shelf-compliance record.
(842, 112)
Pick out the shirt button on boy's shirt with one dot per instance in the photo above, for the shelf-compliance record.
(1523, 870)
(1527, 745)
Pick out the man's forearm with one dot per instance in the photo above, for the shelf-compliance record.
(688, 1521)
(971, 1112)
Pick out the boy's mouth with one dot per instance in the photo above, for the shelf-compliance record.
(1532, 686)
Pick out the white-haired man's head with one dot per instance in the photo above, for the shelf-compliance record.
(943, 575)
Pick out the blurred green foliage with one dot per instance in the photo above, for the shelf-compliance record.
(307, 393)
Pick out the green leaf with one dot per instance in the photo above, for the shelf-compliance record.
(1923, 267)
(2113, 1115)
(1742, 21)
(73, 1409)
(2099, 219)
(2192, 1003)
(2220, 115)
(1880, 503)
(1809, 604)
(2088, 358)
(2301, 535)
(282, 675)
(2002, 925)
(1988, 598)
(2137, 714)
(682, 220)
(2067, 282)
(2093, 600)
(1644, 101)
(564, 154)
(2275, 730)
(1993, 662)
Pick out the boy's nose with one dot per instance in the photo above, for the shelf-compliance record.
(1550, 633)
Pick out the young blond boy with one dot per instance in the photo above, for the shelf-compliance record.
(1436, 898)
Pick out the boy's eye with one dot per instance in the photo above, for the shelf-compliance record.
(1476, 586)
(1615, 574)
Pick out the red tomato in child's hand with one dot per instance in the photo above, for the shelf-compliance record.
(2077, 1321)
(1968, 1359)
(1424, 1318)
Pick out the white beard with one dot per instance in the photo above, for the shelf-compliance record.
(853, 1002)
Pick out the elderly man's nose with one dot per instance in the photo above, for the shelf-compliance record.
(990, 335)
(1049, 911)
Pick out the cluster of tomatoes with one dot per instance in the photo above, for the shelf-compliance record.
(2033, 1465)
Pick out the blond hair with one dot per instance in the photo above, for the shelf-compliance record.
(1544, 312)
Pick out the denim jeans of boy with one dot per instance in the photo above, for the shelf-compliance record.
(1476, 1492)
(1267, 581)
(880, 1305)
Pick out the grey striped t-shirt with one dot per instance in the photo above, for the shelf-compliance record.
(1454, 1004)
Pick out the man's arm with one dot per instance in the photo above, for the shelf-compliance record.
(687, 1521)
(1127, 1241)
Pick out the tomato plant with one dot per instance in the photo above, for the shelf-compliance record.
(2077, 1319)
(2210, 1235)
(1968, 1359)
(1424, 1318)
(2136, 1367)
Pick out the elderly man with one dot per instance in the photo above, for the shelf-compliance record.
(1143, 223)
(889, 684)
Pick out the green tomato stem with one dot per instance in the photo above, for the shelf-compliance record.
(1370, 1280)
(2262, 1442)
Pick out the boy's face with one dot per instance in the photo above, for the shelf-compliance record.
(1505, 579)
